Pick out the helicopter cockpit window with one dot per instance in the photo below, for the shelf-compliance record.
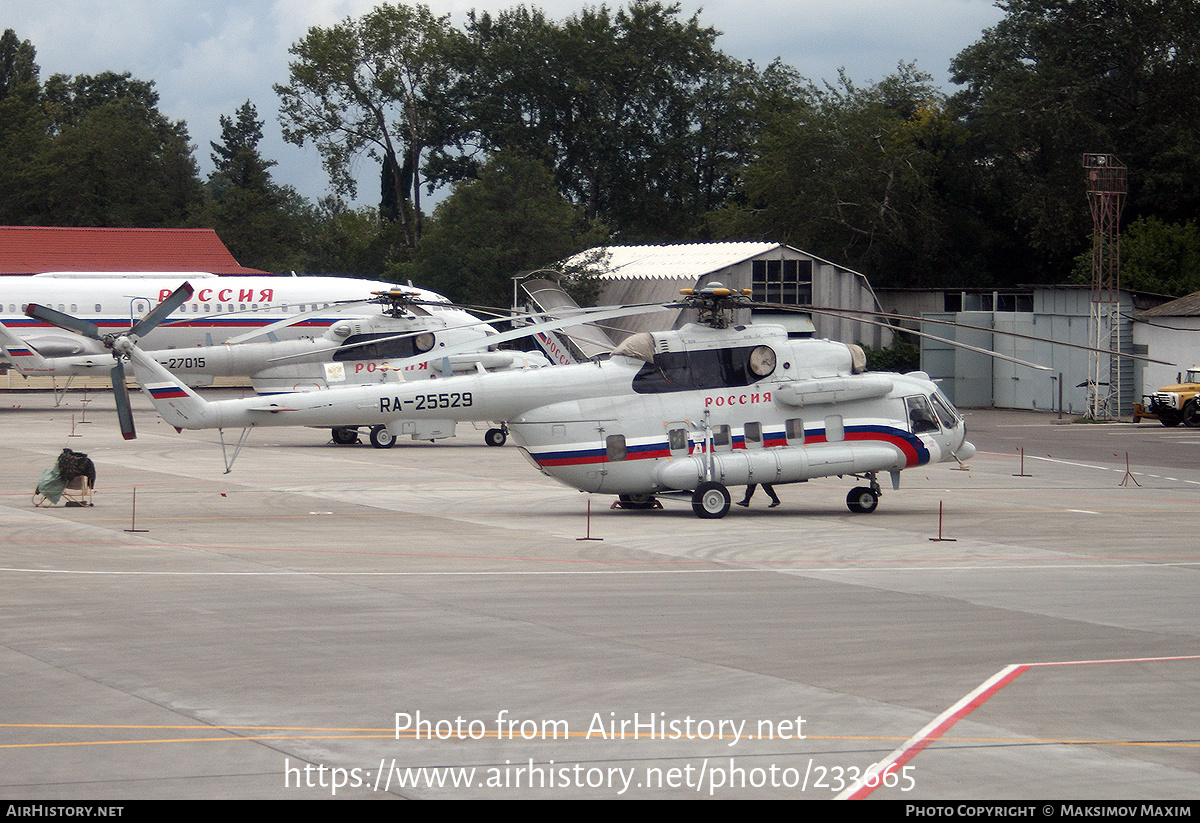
(945, 411)
(705, 369)
(920, 415)
(361, 347)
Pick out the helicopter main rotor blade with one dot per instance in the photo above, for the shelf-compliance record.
(857, 314)
(291, 321)
(176, 299)
(121, 395)
(63, 321)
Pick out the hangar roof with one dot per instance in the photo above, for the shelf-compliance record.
(683, 261)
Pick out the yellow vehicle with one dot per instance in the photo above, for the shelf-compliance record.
(1177, 404)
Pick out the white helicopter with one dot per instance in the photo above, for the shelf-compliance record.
(675, 413)
(351, 351)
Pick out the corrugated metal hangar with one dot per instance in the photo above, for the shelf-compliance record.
(774, 272)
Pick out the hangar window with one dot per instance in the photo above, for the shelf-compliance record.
(782, 281)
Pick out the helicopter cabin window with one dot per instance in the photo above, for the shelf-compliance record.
(615, 444)
(835, 429)
(362, 347)
(793, 430)
(788, 282)
(677, 441)
(722, 438)
(920, 414)
(752, 434)
(705, 369)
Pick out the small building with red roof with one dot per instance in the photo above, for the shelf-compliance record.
(38, 249)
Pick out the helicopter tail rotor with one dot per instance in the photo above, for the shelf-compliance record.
(119, 344)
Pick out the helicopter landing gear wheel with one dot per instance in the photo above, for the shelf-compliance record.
(381, 438)
(710, 501)
(862, 500)
(637, 502)
(495, 437)
(345, 436)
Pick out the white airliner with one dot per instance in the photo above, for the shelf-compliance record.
(221, 307)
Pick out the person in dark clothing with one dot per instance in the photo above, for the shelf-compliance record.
(745, 501)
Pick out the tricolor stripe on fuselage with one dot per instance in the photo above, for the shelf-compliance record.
(914, 451)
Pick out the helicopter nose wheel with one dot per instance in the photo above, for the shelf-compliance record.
(710, 501)
(381, 438)
(862, 500)
(496, 437)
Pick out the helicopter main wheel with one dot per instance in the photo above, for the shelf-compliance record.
(1191, 414)
(495, 437)
(345, 436)
(710, 501)
(381, 438)
(636, 501)
(862, 500)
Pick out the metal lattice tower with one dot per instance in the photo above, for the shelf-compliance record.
(1106, 188)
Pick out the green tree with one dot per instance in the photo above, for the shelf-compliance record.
(864, 176)
(1156, 256)
(24, 138)
(120, 161)
(509, 220)
(264, 225)
(373, 85)
(644, 122)
(1057, 78)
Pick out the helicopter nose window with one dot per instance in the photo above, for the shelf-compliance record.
(920, 414)
(945, 411)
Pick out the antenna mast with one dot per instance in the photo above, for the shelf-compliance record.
(1106, 188)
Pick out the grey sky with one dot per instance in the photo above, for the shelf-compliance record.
(208, 56)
